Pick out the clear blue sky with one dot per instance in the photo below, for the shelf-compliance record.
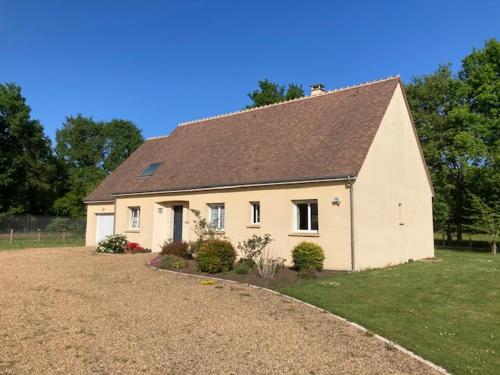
(159, 63)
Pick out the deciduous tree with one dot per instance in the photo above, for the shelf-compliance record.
(91, 150)
(270, 93)
(28, 169)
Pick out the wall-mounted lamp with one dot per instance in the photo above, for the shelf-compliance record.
(336, 201)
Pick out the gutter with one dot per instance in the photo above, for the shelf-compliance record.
(223, 187)
(350, 184)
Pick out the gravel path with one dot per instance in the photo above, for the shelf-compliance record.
(70, 311)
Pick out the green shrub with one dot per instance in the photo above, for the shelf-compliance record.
(172, 262)
(242, 268)
(113, 244)
(177, 248)
(308, 255)
(215, 256)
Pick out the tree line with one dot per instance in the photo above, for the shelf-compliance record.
(456, 116)
(39, 179)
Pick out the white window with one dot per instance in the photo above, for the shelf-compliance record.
(135, 217)
(306, 216)
(255, 212)
(216, 215)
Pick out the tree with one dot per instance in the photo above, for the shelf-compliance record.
(90, 151)
(270, 93)
(486, 219)
(28, 169)
(458, 124)
(121, 139)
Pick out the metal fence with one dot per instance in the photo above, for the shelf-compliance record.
(32, 230)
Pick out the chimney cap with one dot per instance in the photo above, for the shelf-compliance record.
(317, 89)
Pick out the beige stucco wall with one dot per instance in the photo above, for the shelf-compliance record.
(276, 217)
(93, 210)
(393, 173)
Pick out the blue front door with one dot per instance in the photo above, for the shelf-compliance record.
(178, 223)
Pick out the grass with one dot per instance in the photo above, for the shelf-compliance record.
(45, 241)
(465, 236)
(447, 311)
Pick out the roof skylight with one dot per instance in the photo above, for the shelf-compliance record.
(150, 170)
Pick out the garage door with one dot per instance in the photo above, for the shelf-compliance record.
(105, 226)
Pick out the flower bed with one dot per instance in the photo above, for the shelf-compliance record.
(285, 277)
(118, 244)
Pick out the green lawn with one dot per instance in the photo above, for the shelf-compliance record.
(46, 241)
(446, 311)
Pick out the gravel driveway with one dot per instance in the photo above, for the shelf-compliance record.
(70, 311)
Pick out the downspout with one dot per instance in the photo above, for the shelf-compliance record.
(114, 220)
(350, 184)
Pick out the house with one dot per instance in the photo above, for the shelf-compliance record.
(342, 168)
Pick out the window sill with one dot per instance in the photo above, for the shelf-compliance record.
(133, 231)
(253, 226)
(304, 234)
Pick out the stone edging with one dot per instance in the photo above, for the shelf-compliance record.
(355, 325)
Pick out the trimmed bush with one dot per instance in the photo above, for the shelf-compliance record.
(308, 255)
(172, 262)
(177, 248)
(113, 244)
(215, 256)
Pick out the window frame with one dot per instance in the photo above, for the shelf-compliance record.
(131, 218)
(219, 207)
(296, 216)
(154, 166)
(253, 210)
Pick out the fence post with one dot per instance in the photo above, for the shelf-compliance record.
(38, 235)
(64, 236)
(11, 238)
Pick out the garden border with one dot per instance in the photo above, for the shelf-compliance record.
(353, 324)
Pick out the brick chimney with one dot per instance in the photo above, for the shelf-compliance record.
(317, 89)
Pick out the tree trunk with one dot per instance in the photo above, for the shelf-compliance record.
(494, 248)
(449, 238)
(459, 232)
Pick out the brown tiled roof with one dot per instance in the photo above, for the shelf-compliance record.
(313, 138)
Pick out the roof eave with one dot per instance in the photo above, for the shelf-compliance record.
(232, 186)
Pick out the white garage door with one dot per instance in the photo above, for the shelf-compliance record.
(105, 226)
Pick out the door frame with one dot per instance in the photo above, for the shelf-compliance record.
(174, 207)
(99, 215)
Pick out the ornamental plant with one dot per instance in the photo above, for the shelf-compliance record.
(308, 255)
(177, 248)
(134, 248)
(252, 248)
(112, 244)
(172, 262)
(215, 256)
(155, 262)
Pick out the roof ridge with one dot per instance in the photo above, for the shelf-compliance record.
(333, 91)
(158, 137)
